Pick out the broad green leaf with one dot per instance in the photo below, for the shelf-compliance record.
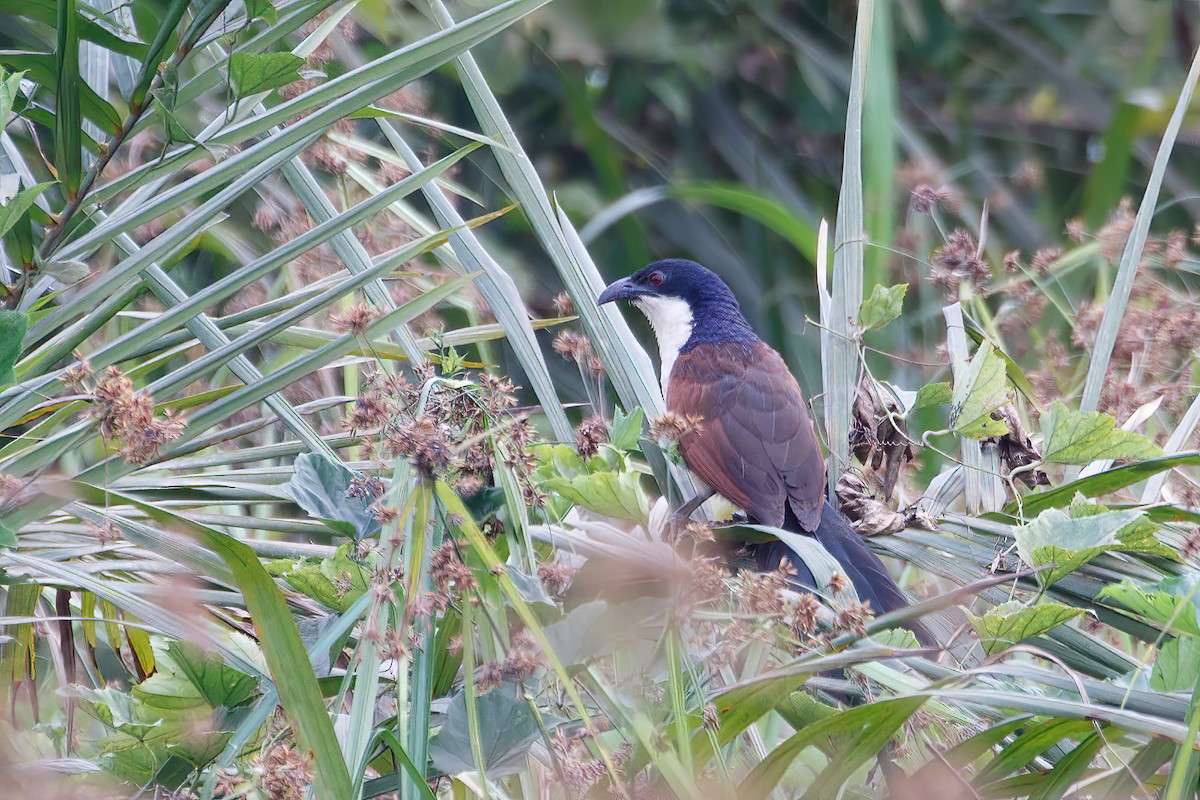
(1056, 537)
(1177, 666)
(116, 709)
(321, 486)
(107, 36)
(1079, 438)
(335, 582)
(612, 494)
(68, 272)
(217, 682)
(934, 394)
(251, 73)
(603, 483)
(1013, 622)
(12, 331)
(627, 428)
(1166, 604)
(883, 306)
(982, 390)
(262, 9)
(16, 206)
(507, 726)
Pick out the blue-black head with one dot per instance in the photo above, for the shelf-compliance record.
(674, 278)
(686, 304)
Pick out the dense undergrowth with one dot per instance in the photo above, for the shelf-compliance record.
(300, 498)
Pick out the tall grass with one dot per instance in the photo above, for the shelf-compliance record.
(275, 522)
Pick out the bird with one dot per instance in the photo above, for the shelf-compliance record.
(755, 443)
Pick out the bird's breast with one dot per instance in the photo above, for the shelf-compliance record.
(671, 318)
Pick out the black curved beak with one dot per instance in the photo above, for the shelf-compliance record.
(624, 289)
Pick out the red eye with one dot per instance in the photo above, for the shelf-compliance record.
(657, 278)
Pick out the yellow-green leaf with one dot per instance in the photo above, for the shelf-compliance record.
(1013, 622)
(883, 306)
(1074, 437)
(252, 73)
(982, 389)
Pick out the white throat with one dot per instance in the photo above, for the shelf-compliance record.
(671, 318)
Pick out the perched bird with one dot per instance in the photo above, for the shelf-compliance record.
(755, 443)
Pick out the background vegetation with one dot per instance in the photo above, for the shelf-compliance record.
(322, 474)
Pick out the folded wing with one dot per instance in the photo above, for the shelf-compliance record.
(755, 444)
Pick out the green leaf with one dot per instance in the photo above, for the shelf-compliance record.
(1170, 604)
(10, 89)
(68, 272)
(261, 9)
(982, 390)
(1102, 483)
(627, 428)
(1074, 437)
(12, 331)
(252, 73)
(859, 734)
(1177, 665)
(335, 582)
(286, 658)
(1056, 537)
(1013, 622)
(217, 682)
(321, 487)
(506, 726)
(602, 484)
(758, 205)
(68, 119)
(934, 394)
(15, 207)
(883, 306)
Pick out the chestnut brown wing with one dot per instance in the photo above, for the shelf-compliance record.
(756, 444)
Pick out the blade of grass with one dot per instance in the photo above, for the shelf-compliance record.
(68, 125)
(1114, 310)
(279, 638)
(846, 291)
(498, 289)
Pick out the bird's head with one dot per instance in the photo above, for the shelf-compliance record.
(685, 303)
(672, 281)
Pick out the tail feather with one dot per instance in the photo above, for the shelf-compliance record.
(866, 572)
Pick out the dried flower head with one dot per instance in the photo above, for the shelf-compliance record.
(128, 417)
(674, 427)
(556, 577)
(1075, 230)
(590, 434)
(1043, 258)
(925, 198)
(853, 618)
(1012, 261)
(285, 772)
(356, 320)
(958, 260)
(423, 441)
(564, 306)
(1115, 232)
(805, 616)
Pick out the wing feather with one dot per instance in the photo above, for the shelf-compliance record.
(756, 444)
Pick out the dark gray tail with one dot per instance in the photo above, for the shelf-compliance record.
(864, 569)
